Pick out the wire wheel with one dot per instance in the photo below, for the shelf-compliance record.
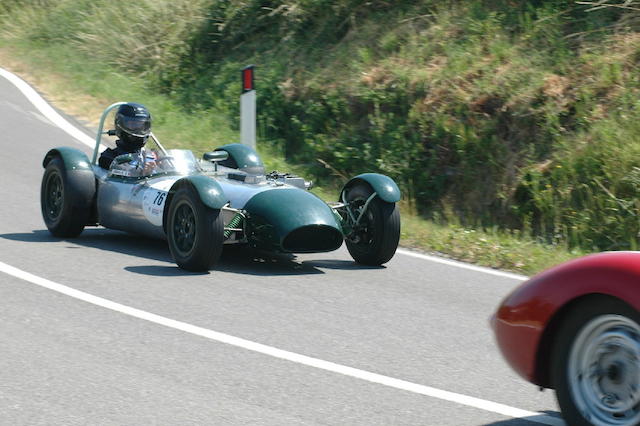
(604, 371)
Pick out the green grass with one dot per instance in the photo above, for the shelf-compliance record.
(510, 251)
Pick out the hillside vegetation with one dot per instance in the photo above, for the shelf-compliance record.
(507, 114)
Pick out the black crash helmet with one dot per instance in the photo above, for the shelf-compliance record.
(133, 124)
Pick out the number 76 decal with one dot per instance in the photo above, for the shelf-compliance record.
(159, 198)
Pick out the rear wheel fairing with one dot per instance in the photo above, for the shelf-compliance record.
(292, 220)
(79, 176)
(73, 158)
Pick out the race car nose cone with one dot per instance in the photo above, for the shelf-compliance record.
(292, 220)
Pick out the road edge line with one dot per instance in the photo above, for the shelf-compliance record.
(47, 110)
(469, 401)
(462, 265)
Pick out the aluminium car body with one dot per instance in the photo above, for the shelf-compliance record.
(224, 198)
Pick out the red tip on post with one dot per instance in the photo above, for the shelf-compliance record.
(247, 78)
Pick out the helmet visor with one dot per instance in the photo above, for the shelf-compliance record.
(136, 126)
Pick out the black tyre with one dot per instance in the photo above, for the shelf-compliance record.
(195, 232)
(375, 239)
(596, 364)
(62, 217)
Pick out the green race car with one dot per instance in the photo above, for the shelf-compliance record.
(199, 205)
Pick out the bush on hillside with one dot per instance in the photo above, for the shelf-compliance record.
(519, 115)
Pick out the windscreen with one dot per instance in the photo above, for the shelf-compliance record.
(180, 161)
(151, 160)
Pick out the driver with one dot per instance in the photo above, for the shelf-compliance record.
(133, 126)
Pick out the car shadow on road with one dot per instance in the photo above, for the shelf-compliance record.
(528, 421)
(343, 265)
(235, 259)
(240, 260)
(245, 260)
(102, 239)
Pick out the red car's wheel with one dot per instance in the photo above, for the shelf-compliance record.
(596, 364)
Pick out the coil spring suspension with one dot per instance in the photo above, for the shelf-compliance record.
(233, 223)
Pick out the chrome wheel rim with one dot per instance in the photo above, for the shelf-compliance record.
(184, 228)
(604, 371)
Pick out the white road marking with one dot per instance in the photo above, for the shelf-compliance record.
(463, 265)
(469, 401)
(46, 110)
(485, 405)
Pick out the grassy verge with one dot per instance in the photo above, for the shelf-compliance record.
(83, 88)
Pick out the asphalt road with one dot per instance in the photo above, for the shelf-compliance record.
(66, 361)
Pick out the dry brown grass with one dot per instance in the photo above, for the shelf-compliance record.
(55, 88)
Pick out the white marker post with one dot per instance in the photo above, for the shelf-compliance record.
(248, 109)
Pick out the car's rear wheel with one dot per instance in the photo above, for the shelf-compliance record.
(596, 364)
(195, 232)
(374, 240)
(62, 218)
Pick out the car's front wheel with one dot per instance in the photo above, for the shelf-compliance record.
(195, 232)
(374, 239)
(596, 364)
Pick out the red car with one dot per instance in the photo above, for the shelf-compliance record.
(575, 328)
